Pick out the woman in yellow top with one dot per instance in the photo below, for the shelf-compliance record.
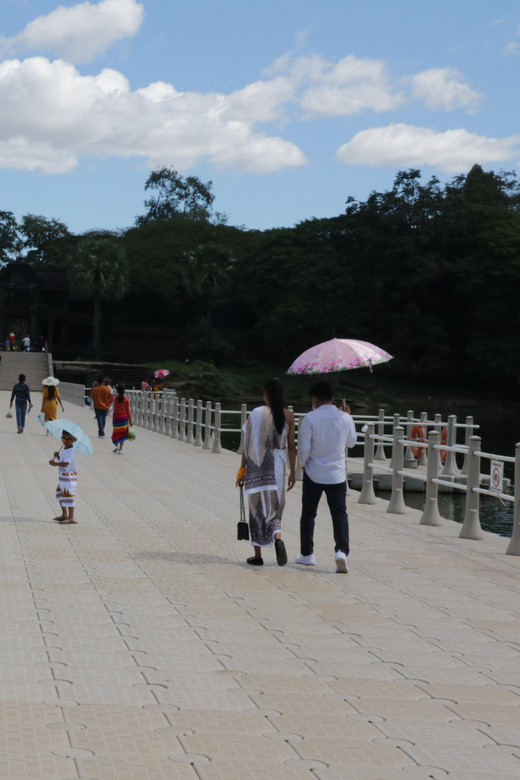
(51, 399)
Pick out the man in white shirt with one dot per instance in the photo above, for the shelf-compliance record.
(324, 435)
(26, 344)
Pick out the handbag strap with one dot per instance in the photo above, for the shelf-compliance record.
(242, 506)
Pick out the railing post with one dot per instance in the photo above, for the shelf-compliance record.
(190, 438)
(198, 434)
(513, 548)
(471, 526)
(161, 413)
(423, 458)
(175, 418)
(182, 421)
(396, 423)
(409, 457)
(207, 427)
(396, 505)
(243, 419)
(148, 412)
(430, 515)
(380, 449)
(468, 432)
(216, 441)
(367, 495)
(168, 412)
(156, 415)
(450, 467)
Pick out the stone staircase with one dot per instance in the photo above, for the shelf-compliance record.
(35, 365)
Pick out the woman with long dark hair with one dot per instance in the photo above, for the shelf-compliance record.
(267, 432)
(122, 419)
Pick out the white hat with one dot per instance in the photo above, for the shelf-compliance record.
(51, 380)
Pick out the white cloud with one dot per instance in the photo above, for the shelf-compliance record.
(345, 88)
(351, 86)
(511, 48)
(444, 89)
(79, 33)
(408, 146)
(51, 116)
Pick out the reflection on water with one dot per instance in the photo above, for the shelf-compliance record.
(499, 432)
(495, 516)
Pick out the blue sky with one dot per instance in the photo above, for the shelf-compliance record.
(289, 106)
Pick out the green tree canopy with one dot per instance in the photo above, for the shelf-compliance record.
(98, 270)
(174, 194)
(9, 240)
(47, 241)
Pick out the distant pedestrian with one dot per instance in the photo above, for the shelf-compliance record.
(12, 342)
(26, 344)
(102, 398)
(51, 399)
(267, 431)
(66, 460)
(325, 433)
(122, 419)
(145, 387)
(23, 397)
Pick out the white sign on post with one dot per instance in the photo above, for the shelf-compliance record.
(496, 477)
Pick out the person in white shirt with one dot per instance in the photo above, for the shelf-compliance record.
(325, 433)
(26, 344)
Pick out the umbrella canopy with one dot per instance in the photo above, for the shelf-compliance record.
(338, 355)
(82, 443)
(161, 373)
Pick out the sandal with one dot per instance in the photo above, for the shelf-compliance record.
(281, 552)
(59, 519)
(67, 520)
(254, 561)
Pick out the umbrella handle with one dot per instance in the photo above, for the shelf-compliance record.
(60, 449)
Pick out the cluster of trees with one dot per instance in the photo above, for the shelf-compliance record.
(429, 271)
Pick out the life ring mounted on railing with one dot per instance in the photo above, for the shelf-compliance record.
(444, 440)
(419, 433)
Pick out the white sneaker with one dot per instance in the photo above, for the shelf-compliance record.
(341, 563)
(306, 560)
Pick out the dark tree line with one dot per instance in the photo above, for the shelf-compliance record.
(429, 271)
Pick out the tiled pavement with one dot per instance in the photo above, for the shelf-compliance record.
(138, 644)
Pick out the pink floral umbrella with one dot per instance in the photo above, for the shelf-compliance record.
(161, 373)
(338, 355)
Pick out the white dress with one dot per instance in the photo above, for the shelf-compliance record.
(67, 477)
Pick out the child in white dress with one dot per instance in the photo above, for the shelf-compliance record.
(67, 461)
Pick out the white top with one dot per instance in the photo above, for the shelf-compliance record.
(324, 435)
(26, 341)
(68, 456)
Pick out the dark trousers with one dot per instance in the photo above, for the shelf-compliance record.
(101, 417)
(21, 409)
(337, 501)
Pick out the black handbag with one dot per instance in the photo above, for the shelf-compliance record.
(242, 525)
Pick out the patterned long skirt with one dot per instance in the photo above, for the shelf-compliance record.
(66, 489)
(120, 430)
(265, 517)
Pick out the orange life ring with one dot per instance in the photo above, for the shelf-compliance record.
(418, 432)
(444, 440)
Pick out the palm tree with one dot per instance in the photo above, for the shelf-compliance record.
(209, 266)
(98, 270)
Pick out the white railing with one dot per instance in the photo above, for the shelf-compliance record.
(74, 394)
(471, 528)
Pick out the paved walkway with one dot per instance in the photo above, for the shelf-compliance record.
(137, 644)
